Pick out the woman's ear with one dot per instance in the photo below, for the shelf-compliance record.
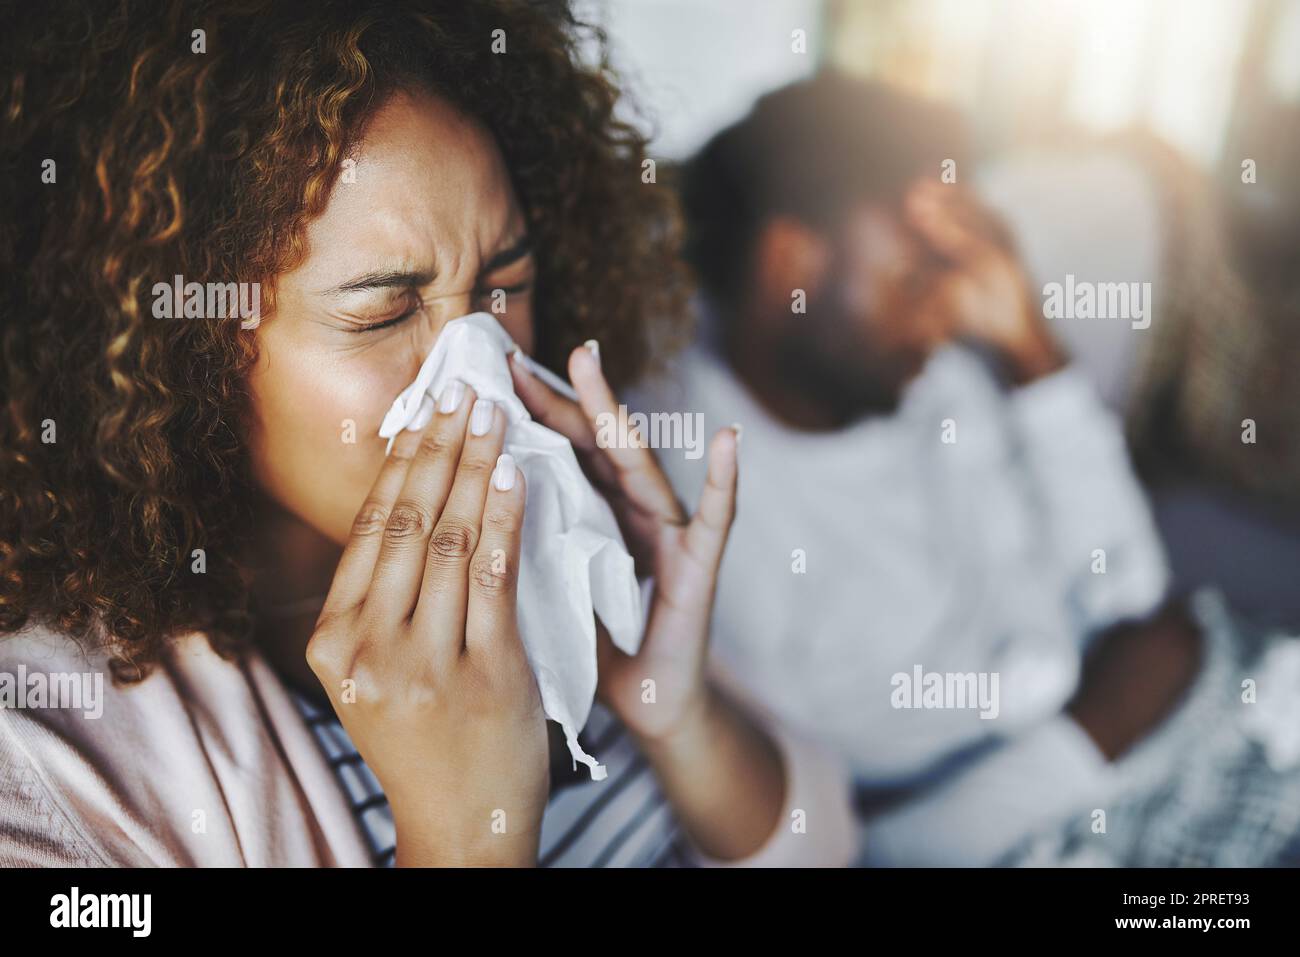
(789, 256)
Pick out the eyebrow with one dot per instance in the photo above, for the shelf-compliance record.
(406, 279)
(385, 279)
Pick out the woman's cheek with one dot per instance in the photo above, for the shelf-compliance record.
(318, 448)
(353, 409)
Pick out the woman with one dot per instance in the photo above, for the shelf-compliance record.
(201, 503)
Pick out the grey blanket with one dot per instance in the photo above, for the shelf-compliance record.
(1218, 783)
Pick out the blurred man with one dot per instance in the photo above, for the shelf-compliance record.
(936, 515)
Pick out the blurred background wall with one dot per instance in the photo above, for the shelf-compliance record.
(1197, 72)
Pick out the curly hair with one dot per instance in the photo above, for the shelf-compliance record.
(122, 438)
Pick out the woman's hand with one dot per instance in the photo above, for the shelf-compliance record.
(683, 554)
(419, 651)
(720, 770)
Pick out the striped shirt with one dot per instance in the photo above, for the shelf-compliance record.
(622, 821)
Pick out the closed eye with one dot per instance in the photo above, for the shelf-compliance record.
(396, 320)
(516, 289)
(417, 305)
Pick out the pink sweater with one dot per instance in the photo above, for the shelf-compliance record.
(207, 763)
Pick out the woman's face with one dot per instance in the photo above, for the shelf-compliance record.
(425, 233)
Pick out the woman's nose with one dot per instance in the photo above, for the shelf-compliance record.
(438, 313)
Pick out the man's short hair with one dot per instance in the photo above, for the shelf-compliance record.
(812, 151)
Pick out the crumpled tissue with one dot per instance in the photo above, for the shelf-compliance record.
(572, 560)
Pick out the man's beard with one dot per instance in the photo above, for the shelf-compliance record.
(831, 361)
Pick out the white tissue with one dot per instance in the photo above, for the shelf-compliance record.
(573, 560)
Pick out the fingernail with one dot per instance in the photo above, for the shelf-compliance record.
(518, 357)
(452, 393)
(503, 476)
(423, 414)
(480, 419)
(738, 429)
(593, 347)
